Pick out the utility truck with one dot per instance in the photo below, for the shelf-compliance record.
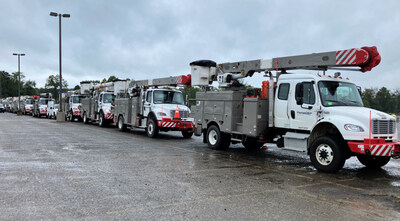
(155, 105)
(320, 114)
(52, 109)
(99, 106)
(40, 105)
(28, 105)
(72, 101)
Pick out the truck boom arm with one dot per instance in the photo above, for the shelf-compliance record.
(167, 81)
(365, 58)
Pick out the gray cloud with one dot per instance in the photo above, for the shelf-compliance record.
(148, 39)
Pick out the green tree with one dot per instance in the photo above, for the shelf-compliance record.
(29, 88)
(77, 87)
(384, 100)
(191, 93)
(53, 85)
(9, 86)
(368, 97)
(110, 79)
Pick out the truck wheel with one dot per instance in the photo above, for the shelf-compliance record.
(102, 122)
(121, 125)
(252, 144)
(373, 162)
(85, 120)
(326, 155)
(152, 128)
(187, 134)
(217, 140)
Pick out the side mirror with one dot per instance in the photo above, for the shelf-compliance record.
(359, 90)
(299, 94)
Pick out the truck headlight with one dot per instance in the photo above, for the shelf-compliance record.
(354, 128)
(106, 110)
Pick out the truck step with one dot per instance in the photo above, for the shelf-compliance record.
(295, 141)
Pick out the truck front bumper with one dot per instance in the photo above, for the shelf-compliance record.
(108, 116)
(169, 124)
(376, 147)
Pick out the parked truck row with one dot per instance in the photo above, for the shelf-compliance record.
(321, 114)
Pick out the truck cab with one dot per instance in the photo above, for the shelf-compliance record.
(73, 111)
(40, 107)
(52, 109)
(105, 103)
(324, 116)
(28, 108)
(165, 110)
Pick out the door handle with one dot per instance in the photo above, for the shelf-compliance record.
(292, 114)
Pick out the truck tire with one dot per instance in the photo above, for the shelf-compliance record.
(252, 144)
(121, 125)
(326, 154)
(152, 128)
(85, 120)
(217, 140)
(373, 162)
(102, 122)
(187, 134)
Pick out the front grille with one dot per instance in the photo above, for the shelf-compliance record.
(383, 126)
(182, 114)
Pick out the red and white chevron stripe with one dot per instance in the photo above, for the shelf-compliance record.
(168, 124)
(381, 150)
(179, 80)
(108, 116)
(352, 56)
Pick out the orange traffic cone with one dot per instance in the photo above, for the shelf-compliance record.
(176, 112)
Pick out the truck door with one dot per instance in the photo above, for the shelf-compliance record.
(281, 105)
(100, 103)
(303, 106)
(147, 103)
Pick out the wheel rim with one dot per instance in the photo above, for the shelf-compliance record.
(212, 137)
(150, 128)
(101, 120)
(324, 154)
(84, 118)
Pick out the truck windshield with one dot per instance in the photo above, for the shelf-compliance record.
(76, 99)
(56, 106)
(29, 101)
(335, 93)
(43, 102)
(108, 98)
(168, 97)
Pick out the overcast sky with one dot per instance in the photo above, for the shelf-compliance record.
(150, 39)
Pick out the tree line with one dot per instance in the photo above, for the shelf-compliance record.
(381, 99)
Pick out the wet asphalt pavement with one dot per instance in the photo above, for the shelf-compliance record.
(72, 171)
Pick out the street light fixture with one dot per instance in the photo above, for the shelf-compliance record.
(19, 112)
(60, 114)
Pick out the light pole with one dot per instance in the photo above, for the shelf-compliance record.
(60, 114)
(19, 112)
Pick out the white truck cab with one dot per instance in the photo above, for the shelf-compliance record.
(105, 102)
(165, 104)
